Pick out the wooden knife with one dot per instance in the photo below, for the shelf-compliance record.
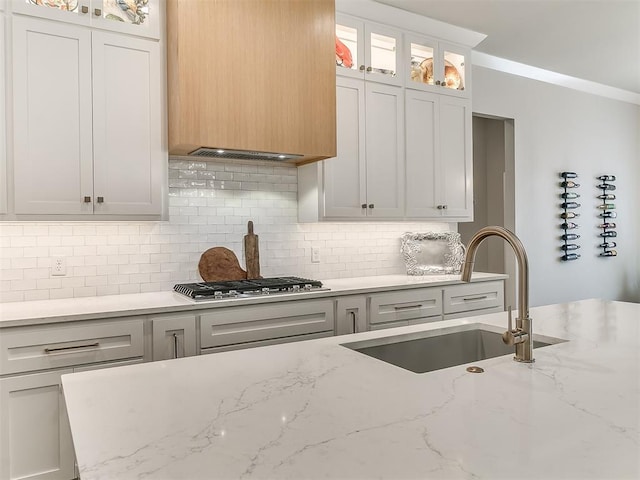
(252, 253)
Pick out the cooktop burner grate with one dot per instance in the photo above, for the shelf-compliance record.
(258, 286)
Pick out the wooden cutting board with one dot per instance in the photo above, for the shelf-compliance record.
(252, 253)
(220, 264)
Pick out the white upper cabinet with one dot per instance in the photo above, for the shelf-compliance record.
(88, 143)
(384, 150)
(368, 50)
(403, 121)
(345, 177)
(126, 125)
(438, 157)
(52, 121)
(3, 142)
(136, 17)
(436, 66)
(365, 179)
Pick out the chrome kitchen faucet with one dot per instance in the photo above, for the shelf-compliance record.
(521, 336)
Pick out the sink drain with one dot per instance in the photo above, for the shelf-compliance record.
(475, 369)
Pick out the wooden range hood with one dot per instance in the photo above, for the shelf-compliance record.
(252, 76)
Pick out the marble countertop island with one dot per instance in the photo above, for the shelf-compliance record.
(315, 409)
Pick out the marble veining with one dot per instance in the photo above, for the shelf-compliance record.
(315, 409)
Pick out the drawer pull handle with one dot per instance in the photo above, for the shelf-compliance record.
(407, 307)
(175, 345)
(59, 349)
(479, 297)
(354, 322)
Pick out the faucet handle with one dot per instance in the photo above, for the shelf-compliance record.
(513, 336)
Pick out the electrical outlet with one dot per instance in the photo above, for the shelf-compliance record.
(59, 267)
(315, 254)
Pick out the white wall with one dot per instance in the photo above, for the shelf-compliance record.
(559, 129)
(209, 205)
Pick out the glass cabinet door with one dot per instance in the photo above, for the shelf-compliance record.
(434, 65)
(382, 54)
(137, 17)
(73, 11)
(349, 46)
(452, 73)
(424, 62)
(368, 51)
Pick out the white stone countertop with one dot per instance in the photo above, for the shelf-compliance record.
(109, 306)
(315, 409)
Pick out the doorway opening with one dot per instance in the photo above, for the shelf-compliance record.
(493, 196)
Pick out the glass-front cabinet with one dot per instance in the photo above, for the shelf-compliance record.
(137, 17)
(368, 50)
(435, 65)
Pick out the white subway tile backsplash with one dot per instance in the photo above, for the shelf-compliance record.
(108, 290)
(85, 292)
(60, 293)
(209, 205)
(36, 295)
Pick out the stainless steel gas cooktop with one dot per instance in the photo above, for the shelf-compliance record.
(247, 288)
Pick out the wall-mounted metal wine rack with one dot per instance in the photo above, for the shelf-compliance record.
(607, 216)
(569, 216)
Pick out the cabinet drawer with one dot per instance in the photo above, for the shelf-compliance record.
(228, 326)
(25, 349)
(405, 305)
(473, 296)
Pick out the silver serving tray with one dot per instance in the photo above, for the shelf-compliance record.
(432, 253)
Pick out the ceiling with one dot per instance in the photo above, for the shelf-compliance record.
(597, 40)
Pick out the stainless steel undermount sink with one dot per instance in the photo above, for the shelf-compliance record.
(431, 350)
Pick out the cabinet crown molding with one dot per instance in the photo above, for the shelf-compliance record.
(379, 12)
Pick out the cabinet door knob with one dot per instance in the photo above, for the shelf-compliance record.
(361, 68)
(87, 200)
(444, 207)
(437, 82)
(369, 69)
(97, 12)
(364, 205)
(439, 207)
(100, 199)
(371, 205)
(84, 9)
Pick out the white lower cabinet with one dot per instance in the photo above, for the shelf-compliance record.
(351, 314)
(433, 304)
(174, 336)
(35, 439)
(473, 299)
(238, 327)
(406, 307)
